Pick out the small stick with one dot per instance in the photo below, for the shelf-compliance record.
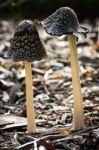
(78, 119)
(31, 125)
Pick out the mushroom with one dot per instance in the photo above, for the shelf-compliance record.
(65, 22)
(26, 46)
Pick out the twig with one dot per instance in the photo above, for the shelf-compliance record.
(73, 134)
(37, 140)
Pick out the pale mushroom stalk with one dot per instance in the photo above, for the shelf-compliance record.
(31, 124)
(78, 119)
(64, 21)
(27, 46)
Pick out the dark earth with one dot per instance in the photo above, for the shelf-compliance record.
(53, 94)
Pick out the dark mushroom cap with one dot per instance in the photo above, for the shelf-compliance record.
(63, 21)
(26, 44)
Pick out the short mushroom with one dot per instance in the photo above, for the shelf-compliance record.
(65, 22)
(26, 46)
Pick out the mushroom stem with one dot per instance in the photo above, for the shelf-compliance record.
(31, 125)
(78, 118)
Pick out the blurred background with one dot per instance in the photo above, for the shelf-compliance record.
(19, 9)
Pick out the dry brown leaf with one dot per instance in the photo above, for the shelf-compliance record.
(88, 73)
(58, 76)
(65, 133)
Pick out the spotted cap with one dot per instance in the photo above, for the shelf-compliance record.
(63, 21)
(26, 44)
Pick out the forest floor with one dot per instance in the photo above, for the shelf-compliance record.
(53, 94)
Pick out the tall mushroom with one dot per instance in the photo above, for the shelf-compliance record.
(65, 22)
(26, 46)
